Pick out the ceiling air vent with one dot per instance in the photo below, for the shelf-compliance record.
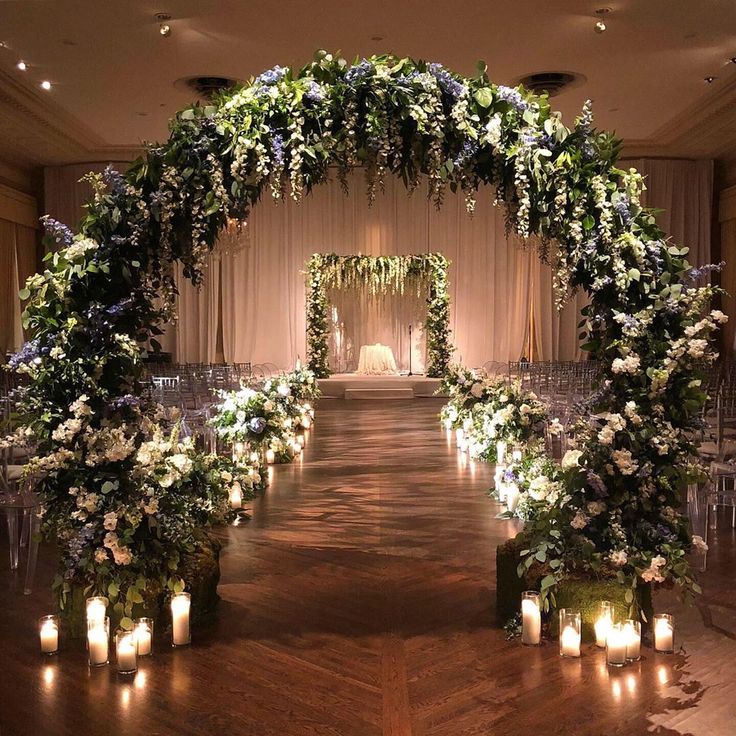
(550, 82)
(207, 86)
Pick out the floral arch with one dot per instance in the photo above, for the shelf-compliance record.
(107, 290)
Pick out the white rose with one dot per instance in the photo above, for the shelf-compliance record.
(571, 459)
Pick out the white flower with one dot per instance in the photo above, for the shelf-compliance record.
(625, 462)
(283, 390)
(56, 353)
(100, 554)
(122, 555)
(606, 435)
(619, 558)
(226, 476)
(697, 348)
(111, 521)
(477, 390)
(580, 520)
(79, 247)
(181, 462)
(653, 572)
(630, 364)
(596, 507)
(718, 316)
(268, 406)
(111, 540)
(151, 506)
(699, 544)
(571, 459)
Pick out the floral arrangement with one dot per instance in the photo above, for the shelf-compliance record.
(489, 410)
(380, 275)
(249, 416)
(105, 291)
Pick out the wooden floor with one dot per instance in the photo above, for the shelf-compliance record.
(359, 601)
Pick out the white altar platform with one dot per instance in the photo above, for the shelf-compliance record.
(356, 386)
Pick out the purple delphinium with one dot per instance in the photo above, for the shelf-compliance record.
(467, 153)
(359, 71)
(57, 230)
(277, 149)
(113, 179)
(257, 425)
(447, 82)
(27, 353)
(513, 97)
(622, 210)
(314, 92)
(271, 76)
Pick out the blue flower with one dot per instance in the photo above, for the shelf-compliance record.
(27, 353)
(513, 97)
(359, 71)
(57, 230)
(257, 425)
(277, 149)
(447, 82)
(113, 179)
(271, 76)
(314, 92)
(622, 209)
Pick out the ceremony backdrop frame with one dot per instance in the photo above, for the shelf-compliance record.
(379, 275)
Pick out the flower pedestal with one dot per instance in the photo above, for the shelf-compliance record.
(201, 571)
(582, 594)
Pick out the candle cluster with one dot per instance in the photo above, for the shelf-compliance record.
(621, 640)
(130, 645)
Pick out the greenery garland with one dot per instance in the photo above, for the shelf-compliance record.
(107, 290)
(380, 275)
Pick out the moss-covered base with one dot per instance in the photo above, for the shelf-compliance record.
(200, 570)
(580, 594)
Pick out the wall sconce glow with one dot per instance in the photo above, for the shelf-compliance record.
(22, 66)
(46, 85)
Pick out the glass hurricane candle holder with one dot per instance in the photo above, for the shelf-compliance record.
(270, 456)
(516, 455)
(48, 634)
(236, 496)
(143, 631)
(616, 646)
(96, 608)
(603, 623)
(570, 631)
(531, 618)
(632, 632)
(664, 633)
(500, 452)
(512, 496)
(180, 629)
(126, 653)
(98, 642)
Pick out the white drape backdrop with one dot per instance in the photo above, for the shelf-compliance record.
(251, 307)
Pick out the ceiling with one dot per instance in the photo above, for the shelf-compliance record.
(114, 75)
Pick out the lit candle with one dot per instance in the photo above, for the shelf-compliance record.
(531, 618)
(516, 455)
(180, 605)
(307, 421)
(569, 633)
(143, 631)
(616, 646)
(459, 434)
(664, 633)
(98, 634)
(603, 623)
(96, 609)
(236, 496)
(48, 632)
(270, 456)
(300, 439)
(632, 632)
(239, 449)
(254, 457)
(125, 650)
(448, 423)
(512, 496)
(500, 451)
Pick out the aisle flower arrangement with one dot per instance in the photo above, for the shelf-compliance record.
(107, 290)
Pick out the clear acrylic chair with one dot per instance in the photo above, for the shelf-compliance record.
(23, 516)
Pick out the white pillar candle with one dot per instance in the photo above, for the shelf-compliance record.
(500, 451)
(254, 457)
(307, 421)
(516, 455)
(632, 633)
(512, 496)
(98, 642)
(603, 623)
(616, 646)
(448, 423)
(96, 609)
(531, 619)
(459, 435)
(48, 633)
(270, 456)
(570, 642)
(236, 496)
(125, 652)
(498, 482)
(180, 605)
(143, 632)
(664, 633)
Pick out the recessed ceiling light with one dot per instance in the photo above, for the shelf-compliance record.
(710, 80)
(733, 59)
(613, 109)
(22, 65)
(46, 84)
(165, 30)
(599, 27)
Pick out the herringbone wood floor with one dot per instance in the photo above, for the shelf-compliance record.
(359, 601)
